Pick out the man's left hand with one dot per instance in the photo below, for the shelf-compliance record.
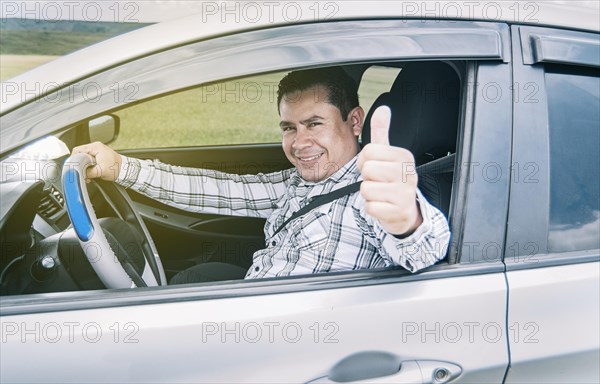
(390, 179)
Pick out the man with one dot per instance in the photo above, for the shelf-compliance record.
(388, 222)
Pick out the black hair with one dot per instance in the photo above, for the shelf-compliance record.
(342, 91)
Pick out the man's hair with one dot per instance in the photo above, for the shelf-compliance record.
(342, 91)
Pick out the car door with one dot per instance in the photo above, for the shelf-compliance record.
(446, 323)
(553, 236)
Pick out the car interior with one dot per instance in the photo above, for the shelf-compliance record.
(426, 103)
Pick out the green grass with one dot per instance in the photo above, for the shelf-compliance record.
(210, 115)
(55, 38)
(47, 43)
(236, 112)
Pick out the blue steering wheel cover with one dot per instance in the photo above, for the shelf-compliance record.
(76, 207)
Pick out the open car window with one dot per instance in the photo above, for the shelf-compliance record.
(208, 119)
(214, 123)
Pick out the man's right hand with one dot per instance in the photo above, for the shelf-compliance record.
(108, 162)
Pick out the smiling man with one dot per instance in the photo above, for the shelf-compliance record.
(388, 222)
(320, 121)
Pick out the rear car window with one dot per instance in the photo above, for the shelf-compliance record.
(574, 132)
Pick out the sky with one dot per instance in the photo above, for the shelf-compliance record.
(131, 10)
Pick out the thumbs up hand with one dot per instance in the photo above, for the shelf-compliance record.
(390, 179)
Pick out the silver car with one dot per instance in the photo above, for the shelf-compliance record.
(499, 102)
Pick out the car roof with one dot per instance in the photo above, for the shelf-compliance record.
(218, 21)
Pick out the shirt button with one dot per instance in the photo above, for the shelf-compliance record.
(257, 269)
(273, 243)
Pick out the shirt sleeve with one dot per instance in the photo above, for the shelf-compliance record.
(424, 247)
(203, 190)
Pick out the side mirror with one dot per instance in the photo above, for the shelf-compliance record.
(104, 129)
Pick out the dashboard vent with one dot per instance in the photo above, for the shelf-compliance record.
(51, 204)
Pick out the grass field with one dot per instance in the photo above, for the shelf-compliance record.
(236, 112)
(49, 43)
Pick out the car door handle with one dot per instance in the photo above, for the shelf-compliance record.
(384, 367)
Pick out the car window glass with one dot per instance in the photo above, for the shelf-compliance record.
(574, 131)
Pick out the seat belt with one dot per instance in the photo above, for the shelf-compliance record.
(321, 200)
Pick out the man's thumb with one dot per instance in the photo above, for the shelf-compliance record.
(380, 125)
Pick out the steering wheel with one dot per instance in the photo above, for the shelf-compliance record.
(120, 269)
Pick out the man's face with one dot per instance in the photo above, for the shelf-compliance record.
(315, 138)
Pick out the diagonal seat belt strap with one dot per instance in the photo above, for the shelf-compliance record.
(321, 200)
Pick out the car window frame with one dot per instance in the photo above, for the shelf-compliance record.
(475, 139)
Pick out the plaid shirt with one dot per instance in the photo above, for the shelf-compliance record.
(337, 236)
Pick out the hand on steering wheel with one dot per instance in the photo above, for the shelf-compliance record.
(114, 270)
